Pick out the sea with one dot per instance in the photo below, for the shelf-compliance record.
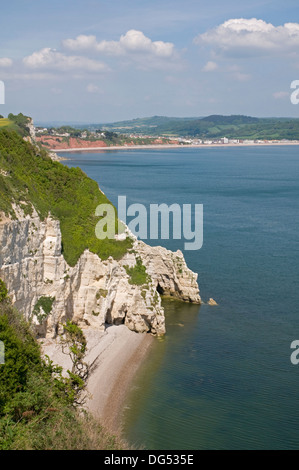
(222, 377)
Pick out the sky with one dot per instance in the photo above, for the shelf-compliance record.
(102, 61)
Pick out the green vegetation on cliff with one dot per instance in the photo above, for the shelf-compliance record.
(29, 178)
(38, 406)
(138, 274)
(17, 123)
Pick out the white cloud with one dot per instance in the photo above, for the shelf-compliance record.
(136, 41)
(81, 43)
(210, 67)
(251, 36)
(48, 58)
(132, 42)
(5, 62)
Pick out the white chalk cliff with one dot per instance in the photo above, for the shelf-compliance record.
(94, 292)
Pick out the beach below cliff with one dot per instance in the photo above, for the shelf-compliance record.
(115, 357)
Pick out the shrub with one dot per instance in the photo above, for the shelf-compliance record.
(138, 274)
(43, 308)
(3, 291)
(36, 412)
(22, 354)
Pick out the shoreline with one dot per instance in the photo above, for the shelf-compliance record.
(113, 413)
(169, 146)
(116, 356)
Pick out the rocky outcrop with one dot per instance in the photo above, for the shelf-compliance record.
(55, 157)
(169, 272)
(31, 130)
(94, 292)
(34, 140)
(212, 302)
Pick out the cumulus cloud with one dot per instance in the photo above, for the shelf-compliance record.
(251, 36)
(48, 58)
(132, 42)
(5, 62)
(81, 43)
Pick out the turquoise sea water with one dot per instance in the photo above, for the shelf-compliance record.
(222, 377)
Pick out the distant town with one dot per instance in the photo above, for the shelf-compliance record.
(62, 139)
(157, 131)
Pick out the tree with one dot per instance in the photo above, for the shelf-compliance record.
(21, 122)
(74, 344)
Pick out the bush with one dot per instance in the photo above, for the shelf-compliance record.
(3, 291)
(22, 354)
(36, 412)
(43, 308)
(138, 274)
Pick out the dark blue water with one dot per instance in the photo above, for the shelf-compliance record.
(222, 378)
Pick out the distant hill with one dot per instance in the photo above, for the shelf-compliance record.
(234, 119)
(150, 121)
(214, 126)
(208, 127)
(147, 124)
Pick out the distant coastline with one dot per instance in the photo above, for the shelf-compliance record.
(171, 146)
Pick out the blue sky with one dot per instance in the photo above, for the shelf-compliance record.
(102, 61)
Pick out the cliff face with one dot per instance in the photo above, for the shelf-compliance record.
(94, 292)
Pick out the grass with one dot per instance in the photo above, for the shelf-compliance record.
(8, 124)
(29, 177)
(4, 122)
